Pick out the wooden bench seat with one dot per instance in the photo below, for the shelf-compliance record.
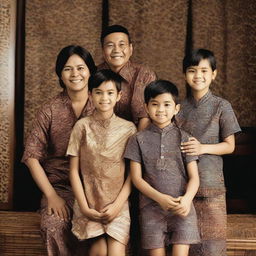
(241, 236)
(20, 236)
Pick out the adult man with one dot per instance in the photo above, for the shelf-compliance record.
(117, 50)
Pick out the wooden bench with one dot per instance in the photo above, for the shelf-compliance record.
(20, 236)
(241, 236)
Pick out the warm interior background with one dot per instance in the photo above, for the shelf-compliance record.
(161, 32)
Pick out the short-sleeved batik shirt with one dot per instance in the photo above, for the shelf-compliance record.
(158, 151)
(48, 139)
(210, 120)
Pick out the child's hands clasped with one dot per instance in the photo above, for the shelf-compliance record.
(109, 212)
(168, 203)
(184, 206)
(192, 147)
(92, 214)
(106, 215)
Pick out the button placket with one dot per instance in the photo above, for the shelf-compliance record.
(161, 147)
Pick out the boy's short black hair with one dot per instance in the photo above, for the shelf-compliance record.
(104, 75)
(158, 87)
(114, 29)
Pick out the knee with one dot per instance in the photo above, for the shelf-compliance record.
(98, 249)
(98, 253)
(49, 222)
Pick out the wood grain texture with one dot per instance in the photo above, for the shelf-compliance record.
(20, 236)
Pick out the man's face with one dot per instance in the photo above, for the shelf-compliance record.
(117, 50)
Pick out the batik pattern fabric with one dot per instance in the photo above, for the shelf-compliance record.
(209, 120)
(47, 142)
(136, 78)
(163, 167)
(100, 145)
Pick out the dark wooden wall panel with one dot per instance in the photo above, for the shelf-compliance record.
(7, 87)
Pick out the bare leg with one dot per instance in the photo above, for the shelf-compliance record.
(180, 250)
(157, 252)
(98, 247)
(115, 248)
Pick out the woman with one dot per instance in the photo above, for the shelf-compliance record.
(46, 146)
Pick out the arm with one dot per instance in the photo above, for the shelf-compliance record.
(165, 201)
(143, 123)
(55, 204)
(191, 190)
(79, 191)
(112, 210)
(194, 147)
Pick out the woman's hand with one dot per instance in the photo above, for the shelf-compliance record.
(192, 147)
(57, 206)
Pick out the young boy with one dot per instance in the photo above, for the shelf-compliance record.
(96, 147)
(157, 169)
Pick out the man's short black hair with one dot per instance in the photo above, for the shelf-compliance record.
(114, 29)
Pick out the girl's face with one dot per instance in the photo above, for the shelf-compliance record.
(105, 98)
(200, 77)
(75, 74)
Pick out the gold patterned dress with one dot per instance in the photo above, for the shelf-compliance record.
(100, 145)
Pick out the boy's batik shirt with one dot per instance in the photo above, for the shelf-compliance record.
(163, 164)
(209, 120)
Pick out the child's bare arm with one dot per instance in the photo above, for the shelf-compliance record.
(166, 202)
(79, 191)
(191, 190)
(112, 210)
(194, 147)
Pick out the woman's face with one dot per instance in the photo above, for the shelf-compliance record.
(75, 74)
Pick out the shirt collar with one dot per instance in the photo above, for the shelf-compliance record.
(104, 123)
(125, 71)
(88, 108)
(65, 97)
(204, 99)
(155, 128)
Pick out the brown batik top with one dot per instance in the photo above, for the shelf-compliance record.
(210, 120)
(131, 104)
(49, 136)
(100, 144)
(158, 151)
